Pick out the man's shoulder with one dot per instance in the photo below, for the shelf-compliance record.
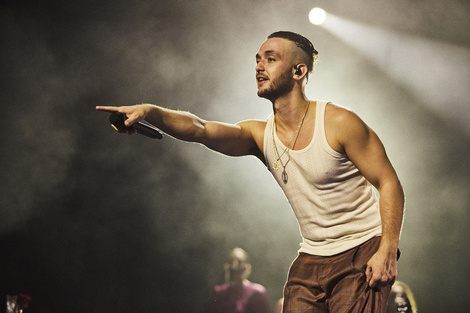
(338, 115)
(253, 123)
(255, 127)
(257, 287)
(221, 287)
(335, 109)
(341, 124)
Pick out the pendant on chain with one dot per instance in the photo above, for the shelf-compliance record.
(284, 176)
(276, 166)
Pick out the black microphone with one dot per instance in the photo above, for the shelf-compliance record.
(143, 128)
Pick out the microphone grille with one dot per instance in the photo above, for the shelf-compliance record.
(117, 119)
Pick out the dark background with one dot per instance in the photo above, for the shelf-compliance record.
(95, 221)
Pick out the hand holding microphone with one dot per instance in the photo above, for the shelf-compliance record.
(118, 119)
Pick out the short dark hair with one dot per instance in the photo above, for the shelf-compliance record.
(301, 42)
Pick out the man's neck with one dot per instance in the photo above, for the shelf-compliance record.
(239, 282)
(289, 110)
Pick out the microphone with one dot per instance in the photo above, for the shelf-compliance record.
(143, 128)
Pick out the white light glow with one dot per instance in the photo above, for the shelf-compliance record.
(437, 73)
(317, 16)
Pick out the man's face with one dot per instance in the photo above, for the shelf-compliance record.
(274, 65)
(237, 262)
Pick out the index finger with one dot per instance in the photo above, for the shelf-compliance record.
(109, 109)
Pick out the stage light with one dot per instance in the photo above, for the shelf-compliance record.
(317, 16)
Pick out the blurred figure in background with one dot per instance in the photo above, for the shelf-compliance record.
(238, 294)
(401, 299)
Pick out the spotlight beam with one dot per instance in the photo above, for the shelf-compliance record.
(437, 73)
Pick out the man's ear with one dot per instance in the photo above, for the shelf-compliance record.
(248, 270)
(300, 70)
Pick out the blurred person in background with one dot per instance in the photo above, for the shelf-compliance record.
(238, 294)
(401, 299)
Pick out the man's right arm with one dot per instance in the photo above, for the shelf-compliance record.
(244, 138)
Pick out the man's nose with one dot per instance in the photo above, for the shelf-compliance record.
(235, 264)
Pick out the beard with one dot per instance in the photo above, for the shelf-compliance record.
(278, 87)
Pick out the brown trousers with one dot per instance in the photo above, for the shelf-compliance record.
(334, 284)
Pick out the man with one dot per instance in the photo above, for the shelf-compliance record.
(326, 160)
(238, 294)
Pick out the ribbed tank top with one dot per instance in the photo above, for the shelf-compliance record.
(336, 207)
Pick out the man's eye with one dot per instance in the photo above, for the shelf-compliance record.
(271, 59)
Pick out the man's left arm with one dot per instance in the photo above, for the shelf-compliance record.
(364, 148)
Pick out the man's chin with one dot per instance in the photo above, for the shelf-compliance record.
(264, 94)
(273, 93)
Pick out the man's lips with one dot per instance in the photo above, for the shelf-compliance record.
(261, 80)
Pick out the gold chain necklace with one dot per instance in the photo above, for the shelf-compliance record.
(278, 157)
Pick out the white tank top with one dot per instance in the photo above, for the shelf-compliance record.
(336, 207)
